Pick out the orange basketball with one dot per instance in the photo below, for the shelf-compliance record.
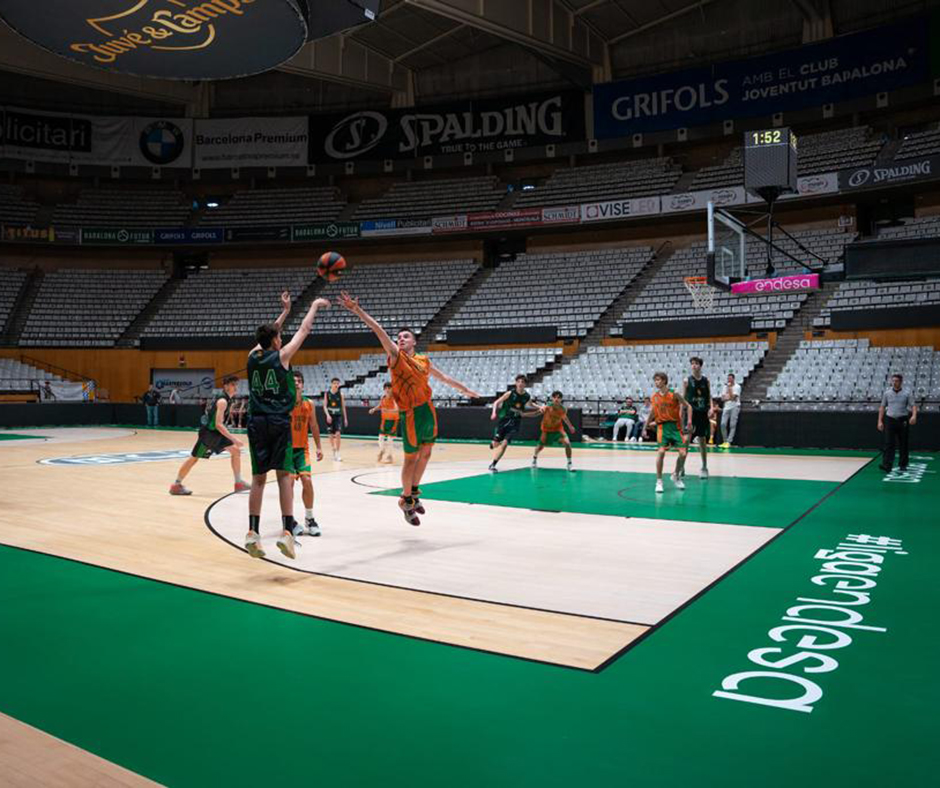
(331, 265)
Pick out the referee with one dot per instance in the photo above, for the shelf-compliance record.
(897, 413)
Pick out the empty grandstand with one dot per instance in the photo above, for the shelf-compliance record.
(921, 143)
(116, 207)
(11, 282)
(82, 307)
(869, 295)
(425, 198)
(14, 207)
(567, 290)
(276, 207)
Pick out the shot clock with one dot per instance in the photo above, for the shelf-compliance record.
(770, 162)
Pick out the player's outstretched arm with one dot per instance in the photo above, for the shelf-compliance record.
(352, 304)
(499, 401)
(376, 409)
(285, 309)
(454, 384)
(288, 351)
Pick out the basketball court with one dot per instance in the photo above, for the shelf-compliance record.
(548, 620)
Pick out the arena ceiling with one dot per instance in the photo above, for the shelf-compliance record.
(419, 51)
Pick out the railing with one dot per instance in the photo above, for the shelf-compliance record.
(75, 377)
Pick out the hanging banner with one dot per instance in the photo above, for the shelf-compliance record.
(65, 391)
(192, 384)
(498, 220)
(32, 235)
(619, 209)
(189, 235)
(166, 39)
(841, 69)
(698, 201)
(99, 140)
(116, 236)
(323, 232)
(890, 174)
(466, 127)
(449, 224)
(778, 284)
(251, 142)
(383, 227)
(562, 214)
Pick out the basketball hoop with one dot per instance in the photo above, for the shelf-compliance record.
(703, 294)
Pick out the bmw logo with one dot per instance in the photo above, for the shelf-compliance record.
(162, 142)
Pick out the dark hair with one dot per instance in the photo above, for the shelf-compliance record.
(731, 375)
(229, 379)
(335, 380)
(557, 394)
(386, 385)
(520, 377)
(266, 334)
(662, 375)
(696, 360)
(899, 376)
(298, 374)
(402, 330)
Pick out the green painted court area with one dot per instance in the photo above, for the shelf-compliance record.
(191, 689)
(10, 436)
(733, 500)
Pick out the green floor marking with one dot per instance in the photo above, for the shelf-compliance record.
(9, 436)
(771, 503)
(195, 690)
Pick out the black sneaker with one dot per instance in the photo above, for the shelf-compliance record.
(493, 468)
(407, 506)
(310, 527)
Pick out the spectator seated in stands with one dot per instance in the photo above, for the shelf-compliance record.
(627, 417)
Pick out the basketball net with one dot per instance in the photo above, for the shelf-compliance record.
(703, 294)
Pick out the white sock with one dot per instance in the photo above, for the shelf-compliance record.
(309, 513)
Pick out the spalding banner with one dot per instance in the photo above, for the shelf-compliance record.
(167, 39)
(469, 127)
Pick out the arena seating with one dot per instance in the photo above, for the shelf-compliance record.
(399, 295)
(603, 376)
(867, 294)
(847, 371)
(426, 198)
(825, 152)
(599, 182)
(14, 209)
(113, 207)
(489, 372)
(921, 227)
(227, 302)
(11, 282)
(83, 307)
(317, 377)
(922, 143)
(569, 290)
(665, 297)
(16, 375)
(276, 207)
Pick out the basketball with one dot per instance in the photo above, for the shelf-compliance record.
(331, 265)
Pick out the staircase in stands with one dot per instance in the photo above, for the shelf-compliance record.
(609, 317)
(443, 317)
(788, 340)
(24, 304)
(131, 335)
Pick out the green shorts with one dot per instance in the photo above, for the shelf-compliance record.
(389, 427)
(418, 427)
(669, 434)
(553, 438)
(302, 461)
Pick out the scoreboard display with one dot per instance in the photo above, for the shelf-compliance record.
(770, 162)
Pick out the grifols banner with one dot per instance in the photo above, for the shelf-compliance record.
(465, 127)
(168, 39)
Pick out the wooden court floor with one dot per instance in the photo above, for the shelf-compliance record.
(493, 569)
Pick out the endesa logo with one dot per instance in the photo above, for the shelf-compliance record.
(778, 284)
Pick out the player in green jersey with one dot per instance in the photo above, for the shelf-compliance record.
(272, 397)
(510, 409)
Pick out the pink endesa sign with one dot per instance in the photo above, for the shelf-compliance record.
(779, 284)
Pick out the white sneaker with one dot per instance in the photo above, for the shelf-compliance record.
(659, 485)
(338, 458)
(535, 462)
(680, 485)
(570, 469)
(253, 545)
(703, 474)
(286, 544)
(311, 528)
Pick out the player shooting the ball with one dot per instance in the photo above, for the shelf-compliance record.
(411, 389)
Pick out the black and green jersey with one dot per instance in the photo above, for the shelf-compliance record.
(334, 403)
(698, 393)
(627, 412)
(515, 404)
(209, 416)
(272, 387)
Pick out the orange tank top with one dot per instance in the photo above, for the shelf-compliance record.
(300, 423)
(410, 380)
(389, 408)
(552, 418)
(665, 407)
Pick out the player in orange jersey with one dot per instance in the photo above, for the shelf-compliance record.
(303, 422)
(411, 373)
(554, 421)
(388, 427)
(666, 410)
